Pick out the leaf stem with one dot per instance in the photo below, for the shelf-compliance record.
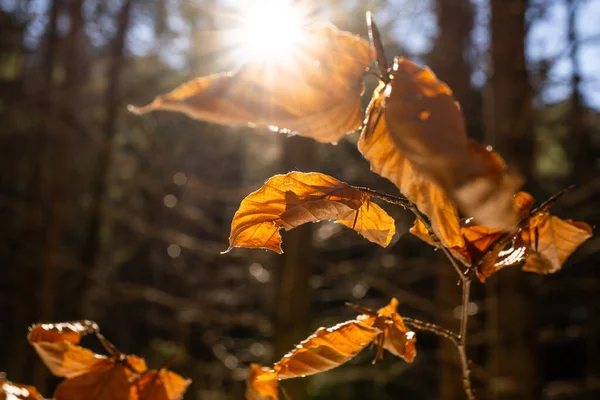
(376, 42)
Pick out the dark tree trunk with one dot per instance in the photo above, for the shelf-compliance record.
(513, 359)
(51, 179)
(293, 294)
(92, 242)
(449, 62)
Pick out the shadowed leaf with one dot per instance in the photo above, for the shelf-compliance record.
(415, 136)
(287, 201)
(376, 145)
(478, 238)
(159, 385)
(316, 94)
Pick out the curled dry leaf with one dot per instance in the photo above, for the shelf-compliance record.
(107, 379)
(543, 241)
(415, 136)
(98, 376)
(316, 93)
(257, 389)
(159, 385)
(395, 337)
(13, 391)
(478, 238)
(287, 201)
(377, 146)
(56, 344)
(551, 241)
(326, 349)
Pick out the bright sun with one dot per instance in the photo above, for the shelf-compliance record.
(270, 29)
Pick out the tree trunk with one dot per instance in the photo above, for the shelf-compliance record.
(513, 359)
(92, 242)
(449, 62)
(293, 294)
(52, 182)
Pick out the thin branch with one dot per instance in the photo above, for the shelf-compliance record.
(388, 198)
(423, 218)
(460, 340)
(409, 205)
(462, 344)
(548, 203)
(433, 328)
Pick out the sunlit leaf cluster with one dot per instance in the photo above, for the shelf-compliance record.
(114, 376)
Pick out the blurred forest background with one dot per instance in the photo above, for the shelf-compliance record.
(120, 219)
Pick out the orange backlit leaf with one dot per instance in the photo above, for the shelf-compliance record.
(507, 251)
(105, 380)
(326, 349)
(257, 389)
(399, 340)
(544, 241)
(287, 201)
(56, 344)
(316, 94)
(159, 385)
(395, 337)
(99, 377)
(376, 145)
(478, 238)
(415, 136)
(110, 378)
(13, 391)
(551, 241)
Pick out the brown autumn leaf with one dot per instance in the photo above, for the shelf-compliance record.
(287, 201)
(395, 337)
(423, 140)
(376, 145)
(551, 241)
(260, 389)
(326, 349)
(13, 391)
(316, 94)
(56, 344)
(159, 385)
(98, 376)
(544, 241)
(107, 379)
(477, 238)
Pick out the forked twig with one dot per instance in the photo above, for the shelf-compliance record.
(460, 340)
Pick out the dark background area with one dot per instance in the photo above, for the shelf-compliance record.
(120, 219)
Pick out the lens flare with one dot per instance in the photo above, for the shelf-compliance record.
(270, 30)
